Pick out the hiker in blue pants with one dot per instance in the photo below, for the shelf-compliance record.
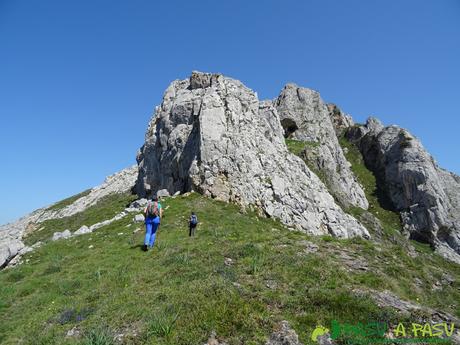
(153, 213)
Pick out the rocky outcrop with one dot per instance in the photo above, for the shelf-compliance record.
(11, 235)
(284, 335)
(61, 235)
(305, 117)
(386, 299)
(340, 120)
(427, 197)
(121, 182)
(212, 135)
(9, 248)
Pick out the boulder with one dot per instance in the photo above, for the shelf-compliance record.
(9, 248)
(305, 117)
(61, 235)
(163, 193)
(211, 134)
(83, 230)
(139, 204)
(138, 218)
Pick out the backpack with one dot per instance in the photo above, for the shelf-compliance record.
(193, 219)
(153, 210)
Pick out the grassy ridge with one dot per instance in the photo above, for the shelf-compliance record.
(68, 201)
(106, 208)
(103, 284)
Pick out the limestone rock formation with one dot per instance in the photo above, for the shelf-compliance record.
(212, 135)
(121, 182)
(9, 248)
(427, 197)
(340, 120)
(61, 235)
(83, 230)
(307, 118)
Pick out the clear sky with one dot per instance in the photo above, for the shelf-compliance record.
(79, 79)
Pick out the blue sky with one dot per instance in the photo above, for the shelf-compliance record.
(79, 79)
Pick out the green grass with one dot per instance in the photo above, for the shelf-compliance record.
(389, 219)
(182, 290)
(297, 146)
(106, 208)
(66, 202)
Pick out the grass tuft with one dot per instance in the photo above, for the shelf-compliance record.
(98, 336)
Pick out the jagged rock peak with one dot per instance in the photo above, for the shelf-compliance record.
(199, 80)
(340, 120)
(305, 117)
(212, 135)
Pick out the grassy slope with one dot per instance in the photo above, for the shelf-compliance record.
(69, 201)
(182, 290)
(427, 268)
(106, 208)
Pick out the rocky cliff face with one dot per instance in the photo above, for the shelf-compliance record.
(427, 197)
(305, 117)
(211, 134)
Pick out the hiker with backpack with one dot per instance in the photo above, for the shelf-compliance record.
(193, 221)
(153, 213)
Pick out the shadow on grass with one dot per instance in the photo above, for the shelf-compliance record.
(137, 246)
